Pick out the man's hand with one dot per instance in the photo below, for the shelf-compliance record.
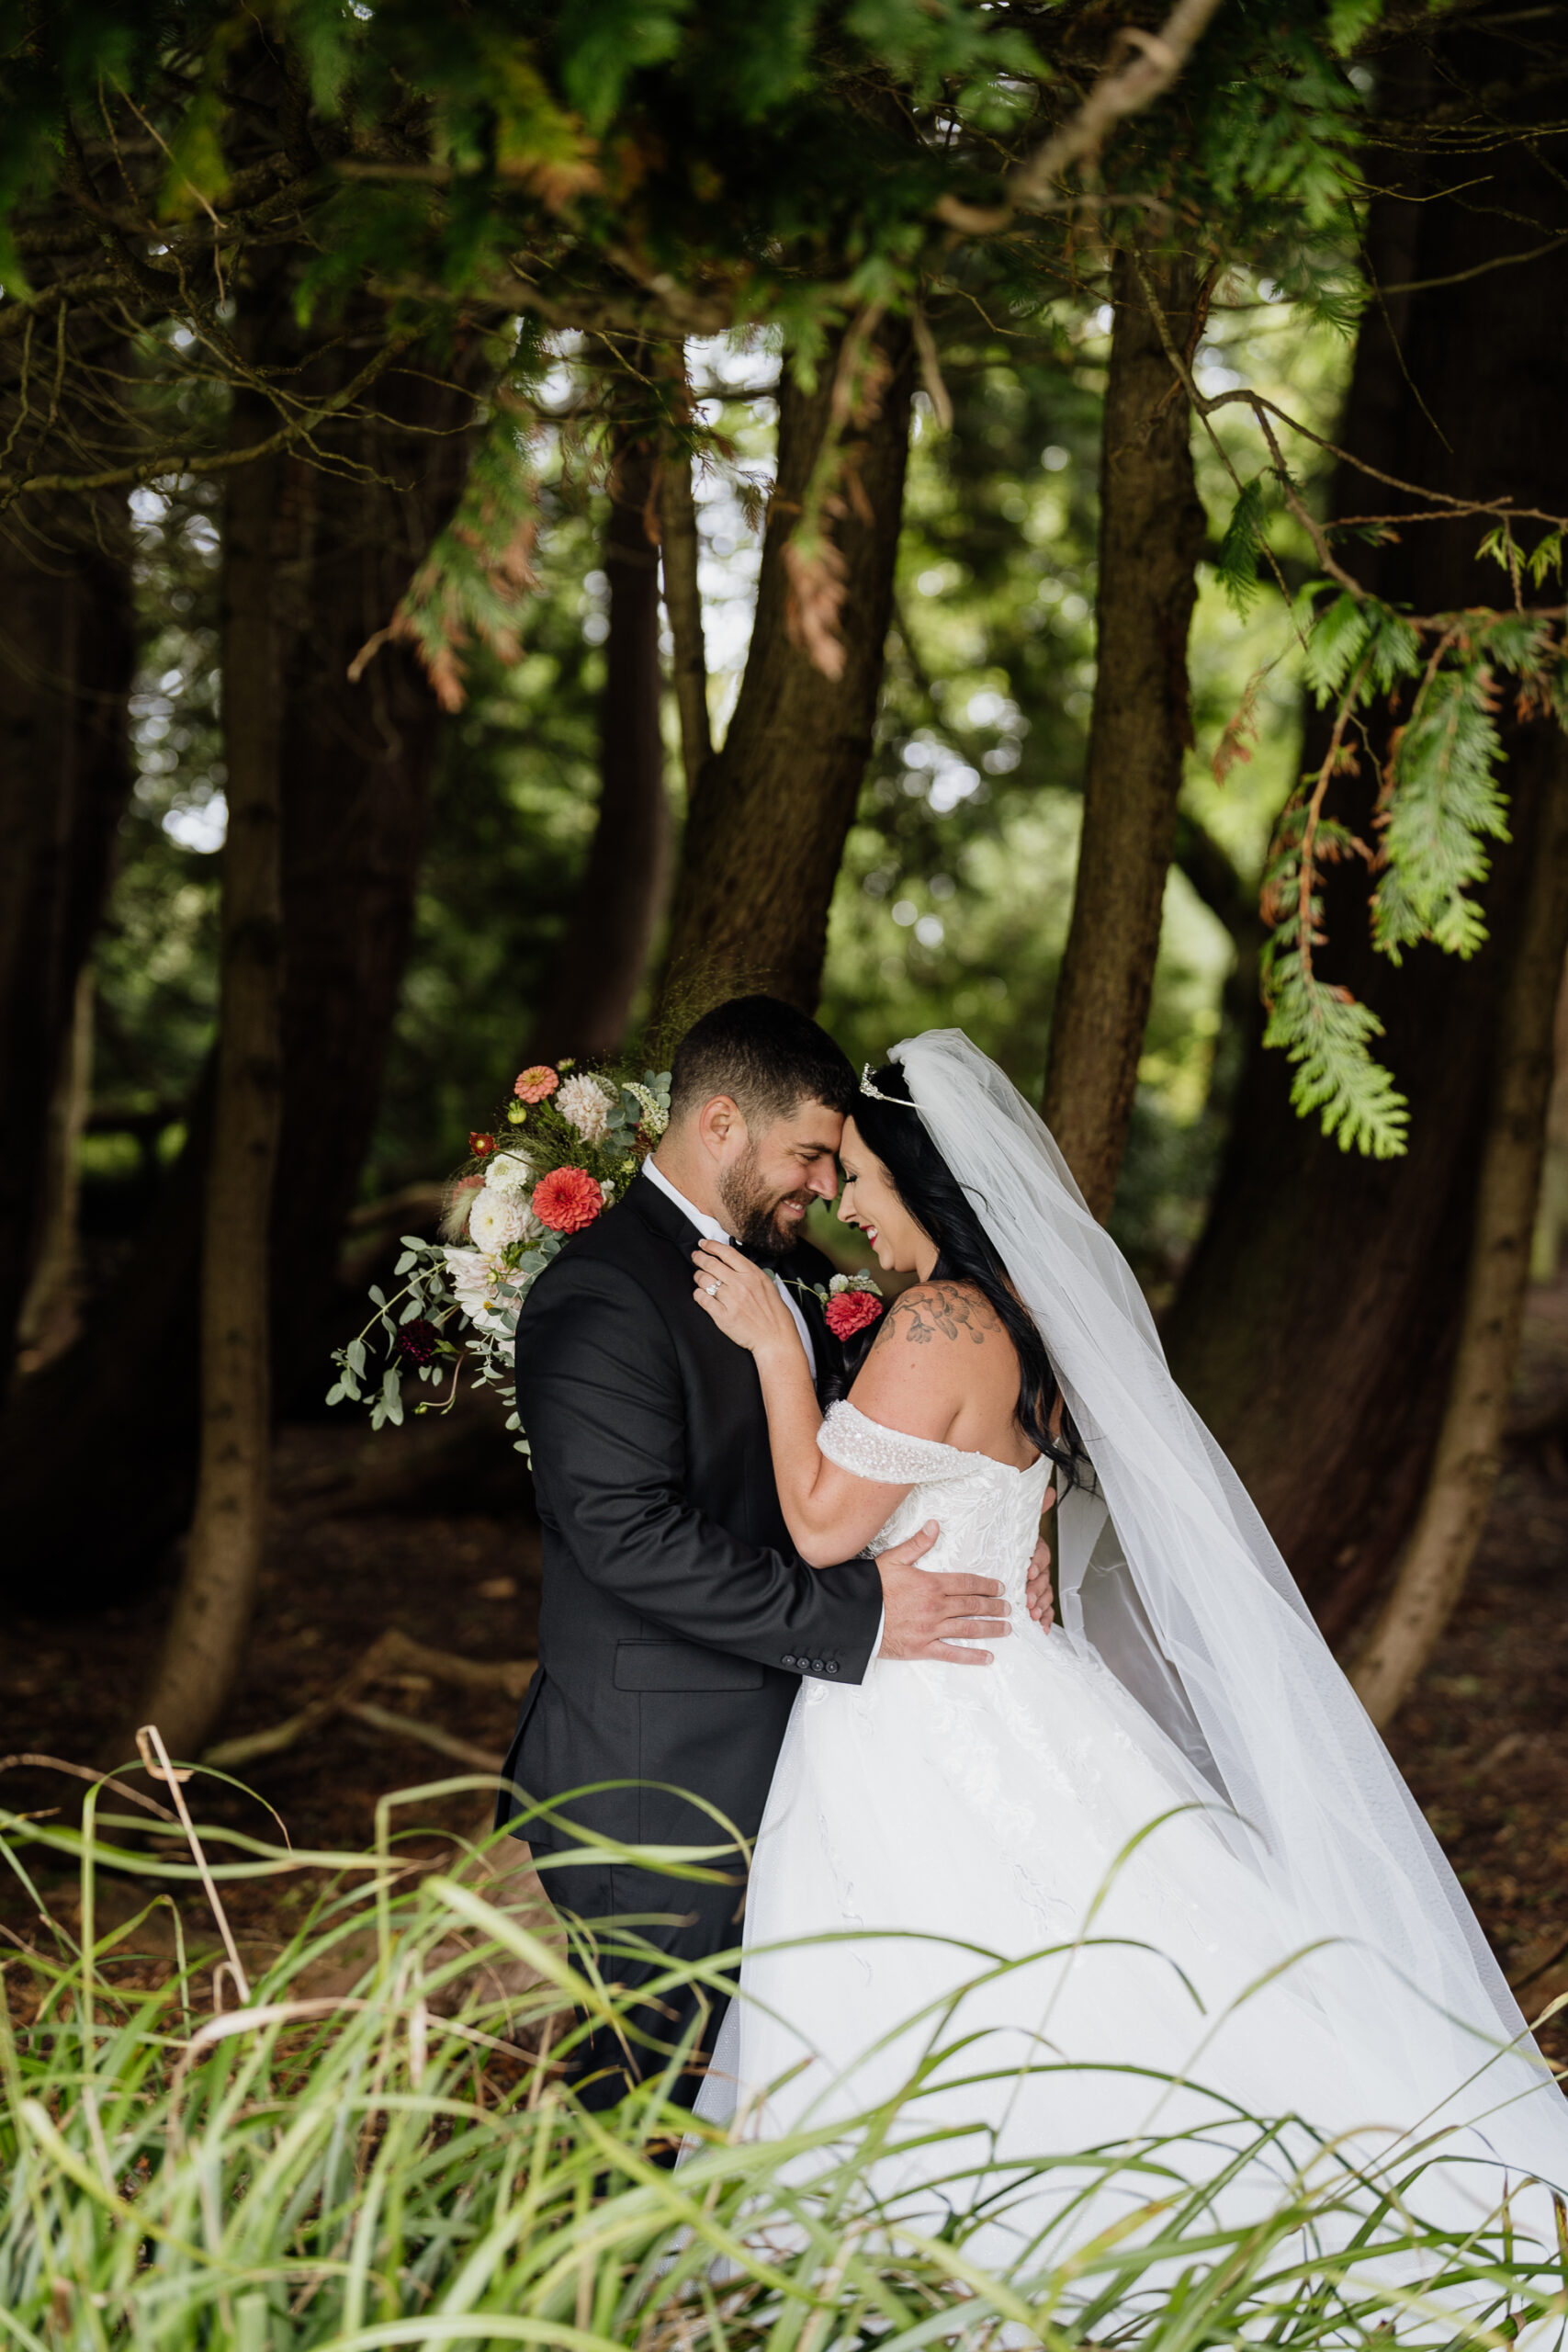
(1040, 1604)
(928, 1616)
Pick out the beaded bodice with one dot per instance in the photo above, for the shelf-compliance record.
(988, 1512)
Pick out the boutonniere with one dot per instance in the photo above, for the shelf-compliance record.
(850, 1303)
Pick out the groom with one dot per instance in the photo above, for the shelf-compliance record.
(677, 1618)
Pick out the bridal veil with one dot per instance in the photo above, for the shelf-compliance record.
(1168, 1571)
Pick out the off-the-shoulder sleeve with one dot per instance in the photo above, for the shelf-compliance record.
(892, 1457)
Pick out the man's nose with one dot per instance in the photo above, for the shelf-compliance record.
(824, 1182)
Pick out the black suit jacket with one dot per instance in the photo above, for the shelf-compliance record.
(676, 1617)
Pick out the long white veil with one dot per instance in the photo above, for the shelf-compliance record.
(1168, 1571)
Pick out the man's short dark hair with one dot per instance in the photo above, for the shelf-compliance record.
(765, 1054)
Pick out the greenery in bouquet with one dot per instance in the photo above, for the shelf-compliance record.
(567, 1145)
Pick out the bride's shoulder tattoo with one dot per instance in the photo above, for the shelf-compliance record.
(938, 1310)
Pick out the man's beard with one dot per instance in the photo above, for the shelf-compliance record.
(753, 1217)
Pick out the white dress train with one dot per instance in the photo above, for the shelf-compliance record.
(943, 1828)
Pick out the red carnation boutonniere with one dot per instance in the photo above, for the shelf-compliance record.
(848, 1311)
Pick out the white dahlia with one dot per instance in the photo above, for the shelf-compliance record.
(587, 1103)
(498, 1219)
(474, 1276)
(510, 1173)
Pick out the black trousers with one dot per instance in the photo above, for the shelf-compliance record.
(691, 1921)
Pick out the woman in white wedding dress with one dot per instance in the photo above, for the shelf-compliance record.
(1149, 1873)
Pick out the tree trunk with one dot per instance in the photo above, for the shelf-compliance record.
(766, 826)
(1551, 1212)
(357, 762)
(118, 1414)
(1151, 535)
(66, 658)
(201, 1649)
(1468, 1453)
(48, 1322)
(603, 956)
(680, 551)
(1317, 1327)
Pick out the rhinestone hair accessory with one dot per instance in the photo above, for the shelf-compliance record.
(877, 1095)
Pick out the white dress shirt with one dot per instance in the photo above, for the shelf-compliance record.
(711, 1231)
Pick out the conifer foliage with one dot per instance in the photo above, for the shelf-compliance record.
(1440, 800)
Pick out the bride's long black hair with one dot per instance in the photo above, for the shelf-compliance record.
(935, 1199)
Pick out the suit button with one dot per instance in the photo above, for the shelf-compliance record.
(787, 1661)
(831, 1666)
(816, 1665)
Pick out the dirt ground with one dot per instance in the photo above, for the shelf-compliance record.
(454, 1568)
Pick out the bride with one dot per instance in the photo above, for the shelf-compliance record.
(1155, 1871)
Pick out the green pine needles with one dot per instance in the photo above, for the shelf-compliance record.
(1416, 702)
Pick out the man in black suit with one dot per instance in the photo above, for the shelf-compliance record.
(677, 1618)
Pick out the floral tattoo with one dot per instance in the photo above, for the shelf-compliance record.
(939, 1310)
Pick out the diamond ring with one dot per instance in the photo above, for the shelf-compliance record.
(713, 1289)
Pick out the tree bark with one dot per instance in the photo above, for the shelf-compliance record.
(357, 762)
(766, 825)
(680, 551)
(48, 1320)
(1469, 1453)
(1551, 1214)
(1151, 535)
(1317, 1327)
(118, 1414)
(66, 658)
(201, 1649)
(603, 956)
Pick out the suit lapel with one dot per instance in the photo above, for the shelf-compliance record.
(671, 1233)
(660, 1214)
(803, 1270)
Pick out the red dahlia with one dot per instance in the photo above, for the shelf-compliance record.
(566, 1199)
(481, 1146)
(848, 1311)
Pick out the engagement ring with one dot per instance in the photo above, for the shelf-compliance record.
(713, 1289)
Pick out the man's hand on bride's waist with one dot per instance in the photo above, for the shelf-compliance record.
(1039, 1598)
(928, 1615)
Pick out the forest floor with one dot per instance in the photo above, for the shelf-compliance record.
(1483, 1741)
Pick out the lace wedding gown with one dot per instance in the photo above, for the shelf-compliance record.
(951, 1861)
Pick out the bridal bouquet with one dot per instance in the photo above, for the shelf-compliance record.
(566, 1145)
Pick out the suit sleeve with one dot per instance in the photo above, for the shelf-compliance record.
(600, 1396)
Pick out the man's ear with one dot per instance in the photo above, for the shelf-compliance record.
(719, 1124)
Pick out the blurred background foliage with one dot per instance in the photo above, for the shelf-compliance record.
(956, 889)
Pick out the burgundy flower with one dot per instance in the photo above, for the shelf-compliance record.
(419, 1340)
